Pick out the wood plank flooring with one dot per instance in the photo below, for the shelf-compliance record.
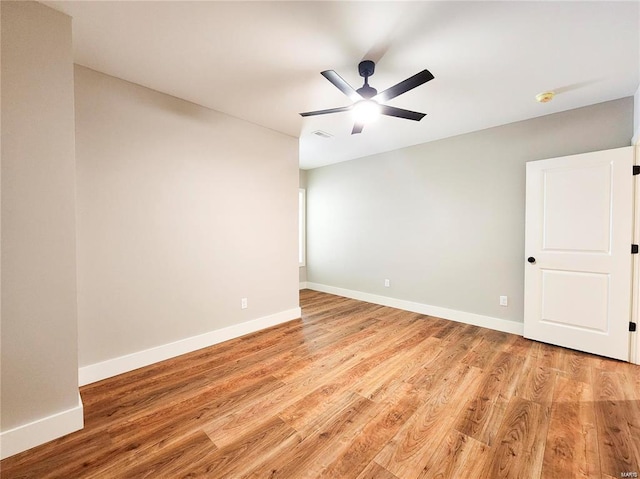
(357, 391)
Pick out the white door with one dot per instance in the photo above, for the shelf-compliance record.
(579, 230)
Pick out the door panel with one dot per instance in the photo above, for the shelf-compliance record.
(581, 220)
(579, 230)
(580, 300)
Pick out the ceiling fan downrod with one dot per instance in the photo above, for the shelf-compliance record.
(366, 69)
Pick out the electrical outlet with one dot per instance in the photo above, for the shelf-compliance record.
(504, 301)
(387, 283)
(244, 303)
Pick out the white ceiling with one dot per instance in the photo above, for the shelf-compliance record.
(261, 61)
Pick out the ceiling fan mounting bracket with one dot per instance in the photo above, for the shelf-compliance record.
(366, 68)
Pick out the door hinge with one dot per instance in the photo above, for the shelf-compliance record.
(636, 170)
(632, 327)
(634, 249)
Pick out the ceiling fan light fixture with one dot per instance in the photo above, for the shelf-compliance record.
(366, 111)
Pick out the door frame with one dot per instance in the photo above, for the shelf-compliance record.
(634, 342)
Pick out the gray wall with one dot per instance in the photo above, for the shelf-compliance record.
(39, 323)
(636, 116)
(444, 221)
(302, 184)
(182, 211)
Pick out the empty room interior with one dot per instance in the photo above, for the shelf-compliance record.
(347, 239)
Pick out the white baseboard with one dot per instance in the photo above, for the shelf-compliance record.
(112, 367)
(303, 285)
(489, 322)
(43, 430)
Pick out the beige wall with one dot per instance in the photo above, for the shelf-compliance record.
(182, 211)
(39, 323)
(444, 221)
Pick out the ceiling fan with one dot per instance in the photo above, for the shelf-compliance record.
(367, 102)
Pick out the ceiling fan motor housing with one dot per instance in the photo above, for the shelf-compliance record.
(367, 92)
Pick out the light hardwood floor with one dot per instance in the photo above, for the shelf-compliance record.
(356, 390)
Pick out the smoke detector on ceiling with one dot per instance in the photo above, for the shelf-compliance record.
(545, 96)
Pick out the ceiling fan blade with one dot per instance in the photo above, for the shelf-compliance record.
(404, 86)
(357, 128)
(341, 84)
(330, 110)
(401, 113)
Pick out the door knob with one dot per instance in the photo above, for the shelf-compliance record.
(531, 259)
